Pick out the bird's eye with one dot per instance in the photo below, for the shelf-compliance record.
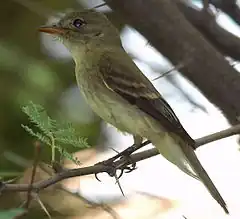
(79, 23)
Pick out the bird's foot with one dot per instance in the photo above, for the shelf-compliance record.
(122, 161)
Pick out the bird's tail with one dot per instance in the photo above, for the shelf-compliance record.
(184, 157)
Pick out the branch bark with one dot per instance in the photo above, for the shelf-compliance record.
(230, 7)
(166, 28)
(100, 167)
(205, 22)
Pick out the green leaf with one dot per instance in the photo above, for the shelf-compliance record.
(38, 135)
(64, 129)
(39, 117)
(53, 133)
(75, 141)
(11, 214)
(66, 134)
(68, 155)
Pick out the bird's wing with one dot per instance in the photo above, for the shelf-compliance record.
(122, 76)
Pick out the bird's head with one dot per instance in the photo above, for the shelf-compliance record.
(83, 28)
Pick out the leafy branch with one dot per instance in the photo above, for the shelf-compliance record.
(57, 135)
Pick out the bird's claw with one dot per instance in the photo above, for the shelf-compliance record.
(131, 166)
(96, 176)
(127, 166)
(111, 170)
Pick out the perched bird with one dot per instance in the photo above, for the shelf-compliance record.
(121, 95)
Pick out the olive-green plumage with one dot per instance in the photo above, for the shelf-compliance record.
(121, 95)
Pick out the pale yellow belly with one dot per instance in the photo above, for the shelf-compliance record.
(121, 114)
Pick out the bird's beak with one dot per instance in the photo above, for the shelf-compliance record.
(51, 30)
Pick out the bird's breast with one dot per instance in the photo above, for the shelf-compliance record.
(104, 103)
(112, 108)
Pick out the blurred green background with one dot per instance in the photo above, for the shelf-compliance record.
(27, 73)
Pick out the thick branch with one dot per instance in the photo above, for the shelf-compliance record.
(166, 28)
(205, 22)
(230, 7)
(100, 167)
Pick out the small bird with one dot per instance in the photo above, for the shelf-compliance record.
(121, 95)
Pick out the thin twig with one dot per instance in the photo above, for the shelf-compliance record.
(176, 68)
(100, 5)
(100, 167)
(218, 135)
(35, 164)
(43, 206)
(119, 185)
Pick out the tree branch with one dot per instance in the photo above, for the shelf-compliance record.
(205, 22)
(230, 7)
(100, 167)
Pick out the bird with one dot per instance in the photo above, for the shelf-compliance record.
(119, 93)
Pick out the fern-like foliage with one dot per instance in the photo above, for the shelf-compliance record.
(66, 134)
(39, 117)
(55, 134)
